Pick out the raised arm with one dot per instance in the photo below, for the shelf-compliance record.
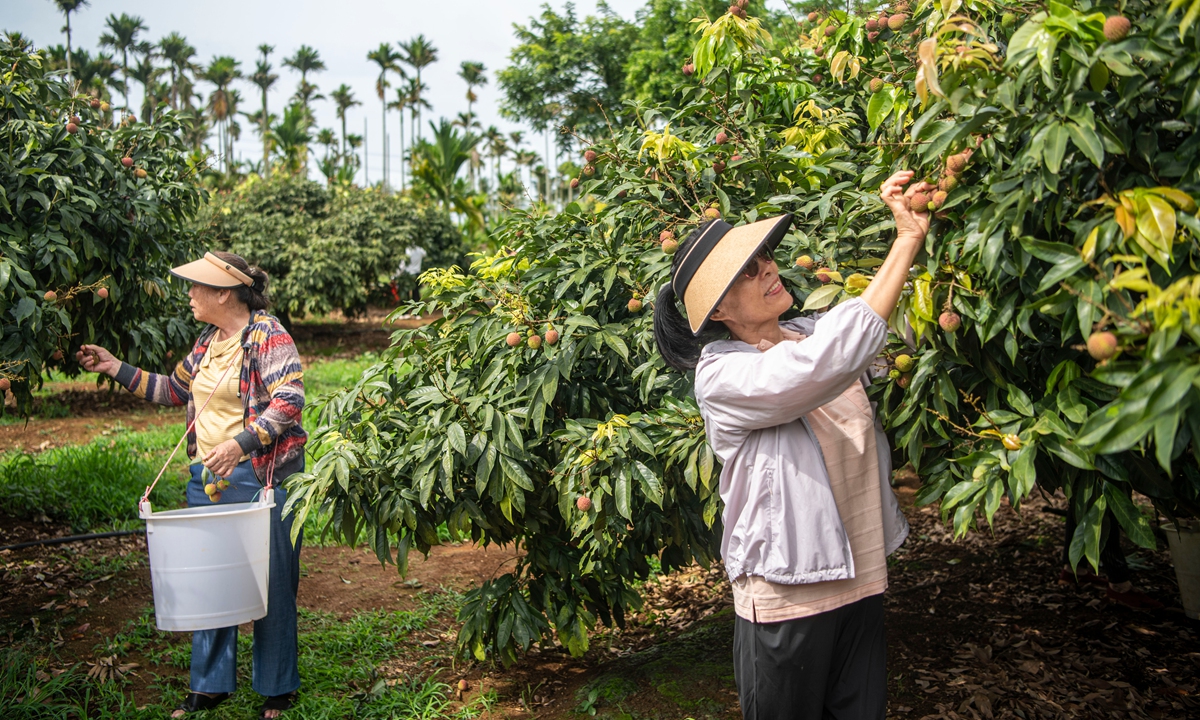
(172, 390)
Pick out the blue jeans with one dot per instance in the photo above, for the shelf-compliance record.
(214, 652)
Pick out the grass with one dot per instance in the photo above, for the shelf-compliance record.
(348, 668)
(94, 486)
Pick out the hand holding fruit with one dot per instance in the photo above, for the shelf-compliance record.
(223, 459)
(94, 358)
(909, 225)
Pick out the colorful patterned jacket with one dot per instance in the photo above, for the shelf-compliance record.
(271, 388)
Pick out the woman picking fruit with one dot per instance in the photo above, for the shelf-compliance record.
(809, 515)
(244, 376)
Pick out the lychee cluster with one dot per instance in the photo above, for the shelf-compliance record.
(738, 9)
(533, 340)
(954, 167)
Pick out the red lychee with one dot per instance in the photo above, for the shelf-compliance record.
(584, 503)
(551, 337)
(919, 202)
(634, 305)
(722, 138)
(513, 339)
(589, 156)
(72, 128)
(127, 161)
(1102, 345)
(1116, 28)
(102, 293)
(950, 321)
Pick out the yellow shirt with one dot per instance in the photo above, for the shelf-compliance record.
(224, 416)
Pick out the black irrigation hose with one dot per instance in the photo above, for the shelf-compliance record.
(72, 538)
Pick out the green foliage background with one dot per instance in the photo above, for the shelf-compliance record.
(328, 248)
(73, 219)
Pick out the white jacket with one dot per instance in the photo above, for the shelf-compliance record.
(781, 521)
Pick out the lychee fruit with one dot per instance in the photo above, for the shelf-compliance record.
(215, 497)
(818, 78)
(666, 235)
(718, 167)
(919, 202)
(948, 183)
(722, 138)
(876, 85)
(1007, 20)
(463, 686)
(712, 214)
(873, 36)
(1116, 28)
(737, 12)
(72, 128)
(735, 158)
(140, 173)
(938, 199)
(670, 246)
(872, 24)
(897, 21)
(634, 305)
(584, 503)
(903, 381)
(574, 183)
(105, 107)
(534, 341)
(689, 69)
(955, 164)
(94, 104)
(813, 16)
(1102, 345)
(1011, 442)
(102, 293)
(513, 339)
(830, 30)
(905, 363)
(589, 170)
(804, 261)
(5, 384)
(950, 321)
(50, 296)
(56, 355)
(589, 156)
(552, 337)
(211, 489)
(823, 275)
(127, 161)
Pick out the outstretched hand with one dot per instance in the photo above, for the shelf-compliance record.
(909, 224)
(94, 358)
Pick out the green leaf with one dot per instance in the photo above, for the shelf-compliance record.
(822, 296)
(879, 107)
(651, 485)
(457, 438)
(1136, 527)
(1088, 141)
(1054, 147)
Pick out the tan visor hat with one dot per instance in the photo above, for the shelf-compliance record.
(716, 258)
(213, 272)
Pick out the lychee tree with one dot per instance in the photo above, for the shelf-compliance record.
(91, 219)
(1066, 168)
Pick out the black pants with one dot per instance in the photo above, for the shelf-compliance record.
(830, 666)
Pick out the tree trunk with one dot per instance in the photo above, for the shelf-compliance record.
(69, 73)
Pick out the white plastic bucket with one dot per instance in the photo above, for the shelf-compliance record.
(209, 565)
(1185, 554)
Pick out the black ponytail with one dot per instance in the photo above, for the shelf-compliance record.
(676, 343)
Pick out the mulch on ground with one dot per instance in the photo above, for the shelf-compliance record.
(978, 628)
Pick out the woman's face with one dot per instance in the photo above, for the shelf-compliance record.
(757, 297)
(207, 303)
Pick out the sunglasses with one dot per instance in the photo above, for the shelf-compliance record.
(752, 269)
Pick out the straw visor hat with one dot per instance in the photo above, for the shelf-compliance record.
(213, 272)
(716, 258)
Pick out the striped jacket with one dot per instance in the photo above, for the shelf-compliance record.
(271, 388)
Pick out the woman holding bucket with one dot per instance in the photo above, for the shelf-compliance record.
(809, 515)
(244, 390)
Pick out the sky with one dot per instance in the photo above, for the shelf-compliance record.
(343, 31)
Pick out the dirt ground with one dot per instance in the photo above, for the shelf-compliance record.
(978, 628)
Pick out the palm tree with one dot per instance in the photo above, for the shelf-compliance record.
(343, 97)
(306, 60)
(494, 139)
(122, 37)
(385, 57)
(66, 7)
(419, 53)
(290, 137)
(414, 91)
(525, 158)
(436, 164)
(264, 79)
(178, 53)
(472, 75)
(398, 105)
(222, 71)
(154, 92)
(328, 164)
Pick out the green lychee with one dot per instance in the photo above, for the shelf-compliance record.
(905, 363)
(897, 21)
(670, 246)
(876, 85)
